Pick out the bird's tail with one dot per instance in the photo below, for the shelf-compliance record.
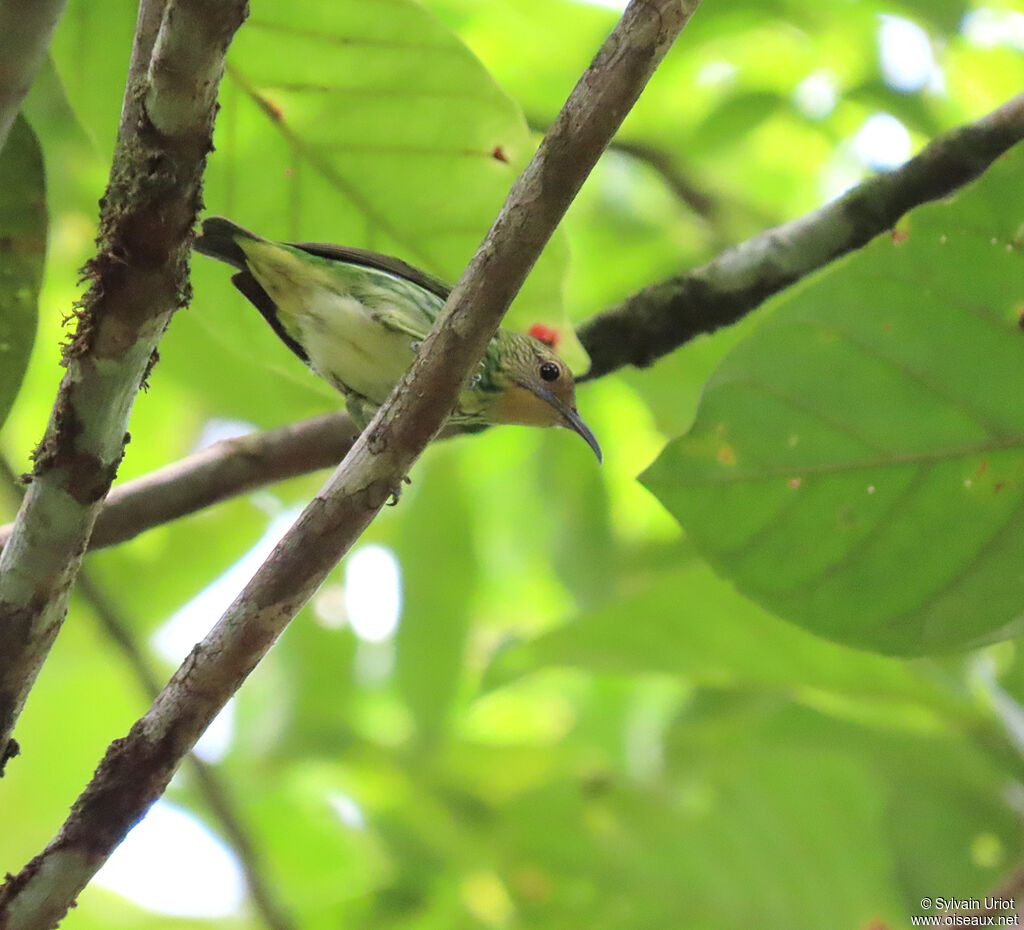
(219, 239)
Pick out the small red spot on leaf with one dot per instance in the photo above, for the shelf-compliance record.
(898, 236)
(982, 468)
(545, 334)
(287, 172)
(795, 482)
(726, 455)
(998, 486)
(498, 154)
(272, 109)
(886, 327)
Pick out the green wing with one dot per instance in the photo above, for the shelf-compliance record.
(385, 263)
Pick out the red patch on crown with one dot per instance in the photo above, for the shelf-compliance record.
(545, 334)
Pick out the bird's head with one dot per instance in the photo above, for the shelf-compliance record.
(537, 388)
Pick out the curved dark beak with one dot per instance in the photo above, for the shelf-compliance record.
(571, 418)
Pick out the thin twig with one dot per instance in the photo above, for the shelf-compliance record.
(712, 208)
(219, 472)
(1010, 890)
(676, 180)
(224, 469)
(666, 167)
(137, 768)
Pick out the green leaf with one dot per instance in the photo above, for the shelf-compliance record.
(91, 51)
(857, 465)
(290, 814)
(970, 845)
(436, 552)
(694, 625)
(581, 544)
(313, 683)
(22, 254)
(714, 845)
(699, 758)
(737, 116)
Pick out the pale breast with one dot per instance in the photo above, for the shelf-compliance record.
(359, 327)
(350, 346)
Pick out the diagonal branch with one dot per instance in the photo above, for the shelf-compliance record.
(25, 33)
(210, 786)
(138, 279)
(136, 769)
(664, 316)
(235, 466)
(223, 470)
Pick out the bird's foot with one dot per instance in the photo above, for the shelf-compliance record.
(396, 492)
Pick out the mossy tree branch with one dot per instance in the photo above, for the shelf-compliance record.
(215, 793)
(137, 769)
(733, 284)
(668, 314)
(138, 278)
(210, 786)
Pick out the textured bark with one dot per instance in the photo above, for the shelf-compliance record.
(220, 802)
(210, 786)
(664, 316)
(238, 465)
(138, 279)
(137, 768)
(222, 471)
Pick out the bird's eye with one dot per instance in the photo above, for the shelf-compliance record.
(549, 371)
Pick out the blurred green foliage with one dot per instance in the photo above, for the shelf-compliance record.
(22, 253)
(858, 465)
(577, 723)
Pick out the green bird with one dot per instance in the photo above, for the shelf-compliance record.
(356, 318)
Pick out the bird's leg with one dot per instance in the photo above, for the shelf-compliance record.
(396, 492)
(360, 408)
